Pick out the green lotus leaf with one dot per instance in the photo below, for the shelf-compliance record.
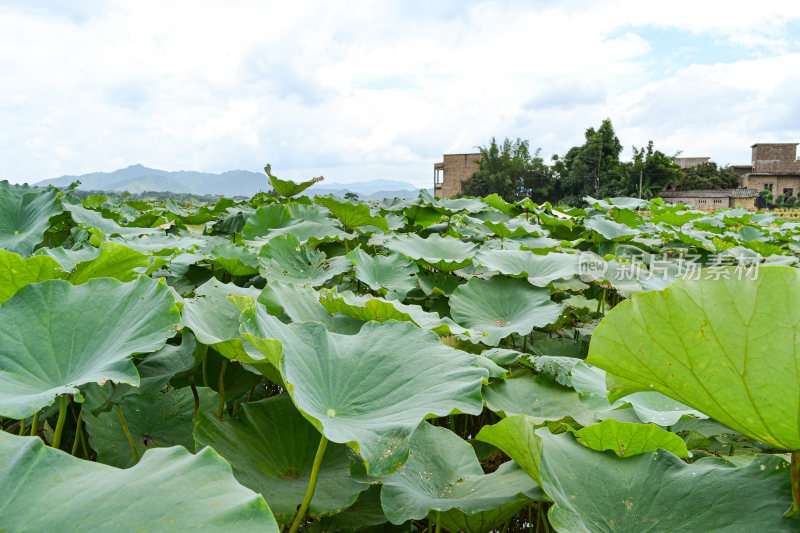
(157, 369)
(539, 269)
(497, 307)
(536, 396)
(649, 406)
(93, 219)
(288, 188)
(308, 225)
(516, 227)
(114, 261)
(482, 521)
(392, 272)
(516, 437)
(165, 244)
(366, 308)
(301, 303)
(236, 260)
(596, 492)
(214, 319)
(442, 253)
(626, 439)
(608, 229)
(155, 420)
(66, 258)
(352, 215)
(372, 389)
(441, 283)
(25, 215)
(365, 512)
(283, 259)
(443, 473)
(55, 336)
(86, 496)
(717, 346)
(271, 448)
(16, 272)
(618, 202)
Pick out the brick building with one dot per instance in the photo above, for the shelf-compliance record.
(454, 170)
(775, 167)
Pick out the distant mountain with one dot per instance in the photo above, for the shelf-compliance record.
(138, 178)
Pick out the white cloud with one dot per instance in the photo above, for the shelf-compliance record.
(378, 89)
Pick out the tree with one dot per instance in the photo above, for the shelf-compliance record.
(656, 170)
(592, 168)
(708, 176)
(511, 171)
(351, 196)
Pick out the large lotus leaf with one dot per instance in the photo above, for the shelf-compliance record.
(55, 336)
(366, 308)
(626, 439)
(649, 406)
(271, 448)
(613, 231)
(443, 473)
(16, 272)
(482, 521)
(442, 253)
(365, 512)
(157, 369)
(392, 272)
(516, 437)
(114, 261)
(214, 319)
(372, 389)
(166, 244)
(719, 346)
(351, 214)
(288, 188)
(283, 259)
(539, 269)
(236, 260)
(155, 420)
(25, 215)
(67, 258)
(169, 490)
(495, 308)
(301, 303)
(93, 219)
(441, 283)
(597, 492)
(536, 396)
(276, 219)
(516, 227)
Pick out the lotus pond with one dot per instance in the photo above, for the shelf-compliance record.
(301, 363)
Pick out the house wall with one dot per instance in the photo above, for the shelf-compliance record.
(690, 162)
(458, 168)
(775, 157)
(778, 183)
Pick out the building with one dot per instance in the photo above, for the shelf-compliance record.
(713, 198)
(690, 162)
(775, 168)
(452, 172)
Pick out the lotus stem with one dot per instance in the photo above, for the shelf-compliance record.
(794, 469)
(196, 396)
(35, 424)
(62, 416)
(438, 521)
(78, 433)
(22, 427)
(312, 485)
(221, 389)
(128, 434)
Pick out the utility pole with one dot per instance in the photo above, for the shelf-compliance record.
(640, 183)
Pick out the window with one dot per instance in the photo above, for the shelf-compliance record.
(768, 187)
(788, 191)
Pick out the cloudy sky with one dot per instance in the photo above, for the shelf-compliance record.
(365, 90)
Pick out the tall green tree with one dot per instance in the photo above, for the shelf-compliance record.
(593, 168)
(708, 176)
(512, 171)
(654, 168)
